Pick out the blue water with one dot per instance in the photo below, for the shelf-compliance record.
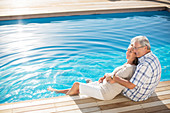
(58, 51)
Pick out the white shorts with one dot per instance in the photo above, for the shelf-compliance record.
(102, 91)
(92, 89)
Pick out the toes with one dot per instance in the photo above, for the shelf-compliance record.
(88, 80)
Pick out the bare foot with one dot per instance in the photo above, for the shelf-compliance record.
(88, 80)
(50, 89)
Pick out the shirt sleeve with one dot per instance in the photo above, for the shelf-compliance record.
(140, 76)
(125, 72)
(116, 70)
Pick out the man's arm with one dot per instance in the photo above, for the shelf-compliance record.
(123, 82)
(105, 76)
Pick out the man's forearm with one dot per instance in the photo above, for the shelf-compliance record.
(124, 82)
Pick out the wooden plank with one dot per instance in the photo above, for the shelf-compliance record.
(87, 100)
(122, 109)
(67, 103)
(51, 110)
(117, 105)
(33, 108)
(157, 108)
(74, 109)
(161, 93)
(6, 111)
(164, 111)
(164, 83)
(84, 105)
(150, 109)
(67, 108)
(162, 88)
(90, 109)
(82, 111)
(135, 111)
(89, 105)
(155, 103)
(112, 101)
(163, 97)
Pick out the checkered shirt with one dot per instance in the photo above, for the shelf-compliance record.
(146, 78)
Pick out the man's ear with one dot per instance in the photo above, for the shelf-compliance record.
(146, 48)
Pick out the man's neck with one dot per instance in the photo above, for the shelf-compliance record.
(147, 52)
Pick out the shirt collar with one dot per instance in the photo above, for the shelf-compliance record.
(144, 56)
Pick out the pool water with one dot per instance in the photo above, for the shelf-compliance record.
(58, 51)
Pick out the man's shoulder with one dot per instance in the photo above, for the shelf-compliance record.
(150, 59)
(151, 63)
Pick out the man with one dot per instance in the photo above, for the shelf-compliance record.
(147, 74)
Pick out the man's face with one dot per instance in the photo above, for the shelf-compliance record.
(139, 50)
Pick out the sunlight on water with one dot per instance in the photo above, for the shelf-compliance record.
(56, 52)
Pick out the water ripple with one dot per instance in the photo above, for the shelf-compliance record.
(56, 52)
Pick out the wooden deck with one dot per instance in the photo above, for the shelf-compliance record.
(23, 9)
(159, 102)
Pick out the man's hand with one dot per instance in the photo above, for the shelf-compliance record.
(111, 80)
(108, 78)
(102, 78)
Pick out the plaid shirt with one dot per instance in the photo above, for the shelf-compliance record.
(146, 78)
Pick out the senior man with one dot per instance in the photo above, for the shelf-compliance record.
(147, 74)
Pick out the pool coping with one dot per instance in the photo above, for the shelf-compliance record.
(87, 12)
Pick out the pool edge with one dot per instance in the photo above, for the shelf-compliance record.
(85, 12)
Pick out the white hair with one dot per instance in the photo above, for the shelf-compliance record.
(142, 40)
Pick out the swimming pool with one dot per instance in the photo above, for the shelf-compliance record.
(56, 52)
